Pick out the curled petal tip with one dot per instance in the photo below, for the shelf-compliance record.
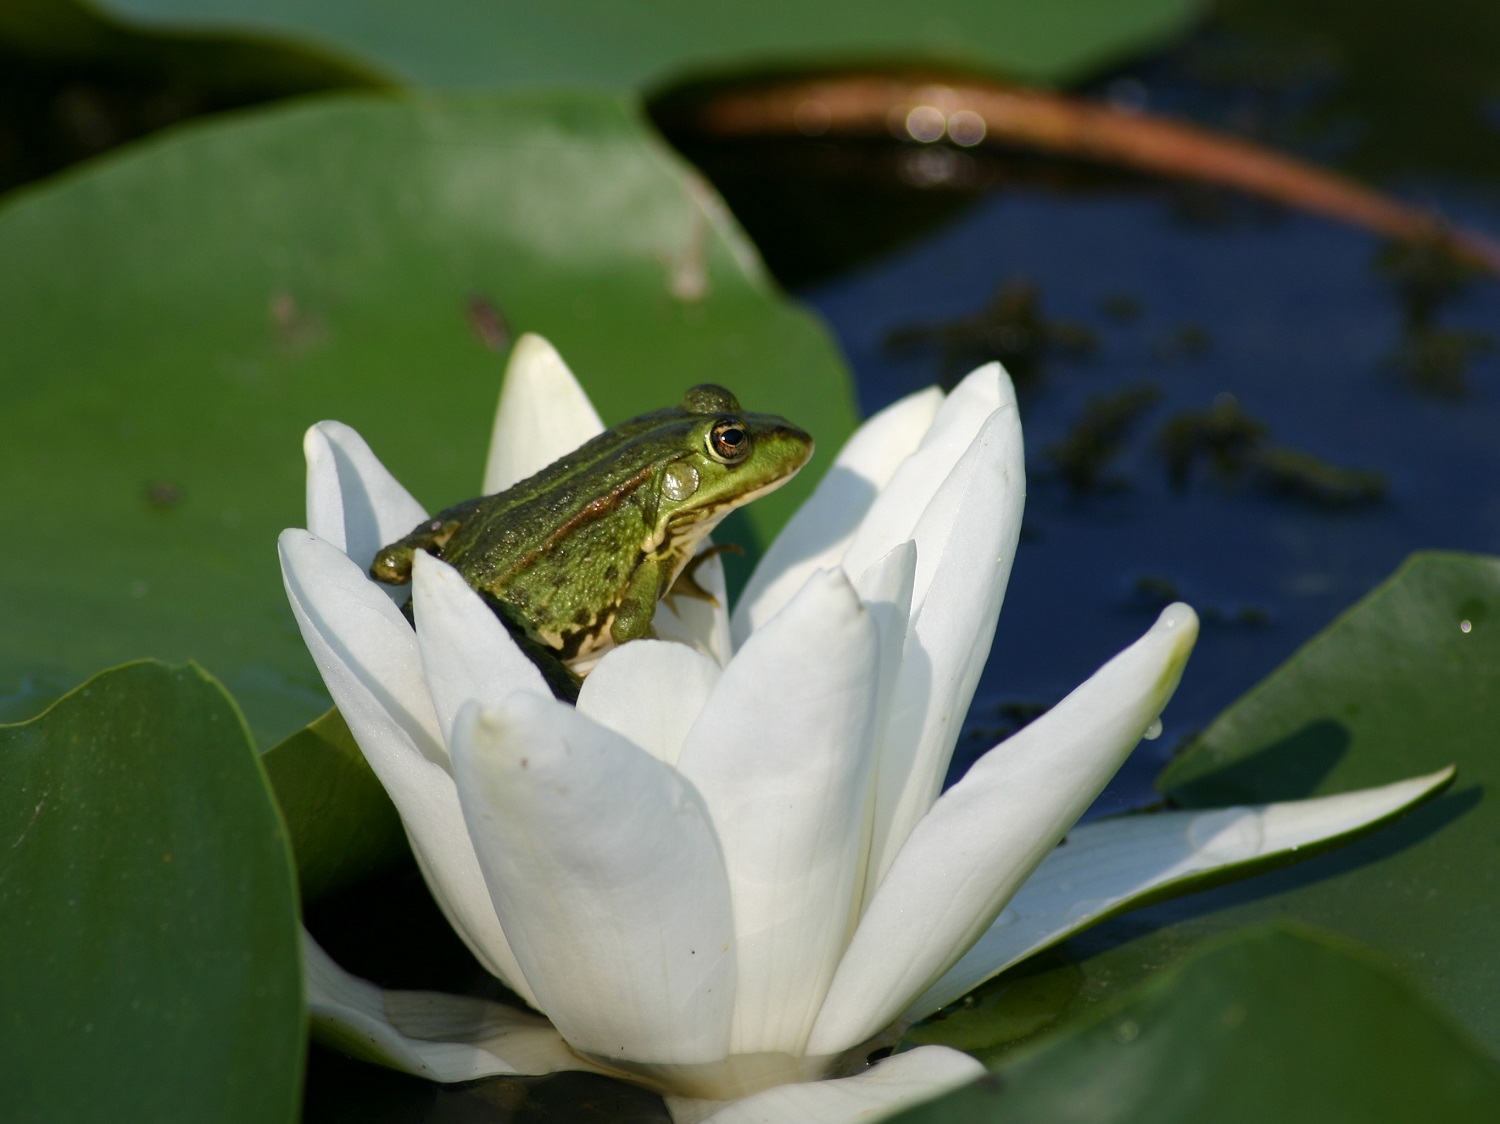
(543, 414)
(1179, 615)
(1177, 628)
(321, 436)
(313, 439)
(1444, 776)
(994, 378)
(530, 355)
(294, 542)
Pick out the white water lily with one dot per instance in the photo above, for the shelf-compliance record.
(730, 872)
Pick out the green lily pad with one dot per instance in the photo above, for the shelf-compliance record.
(454, 43)
(150, 964)
(174, 318)
(1269, 1025)
(342, 825)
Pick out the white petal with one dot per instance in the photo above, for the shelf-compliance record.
(651, 692)
(781, 755)
(986, 834)
(426, 1033)
(885, 590)
(966, 540)
(606, 875)
(368, 656)
(352, 501)
(543, 415)
(893, 516)
(1110, 866)
(466, 652)
(819, 534)
(881, 1091)
(701, 624)
(359, 640)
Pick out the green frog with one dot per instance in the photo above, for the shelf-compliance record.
(574, 559)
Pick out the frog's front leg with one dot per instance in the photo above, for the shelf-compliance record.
(392, 564)
(638, 606)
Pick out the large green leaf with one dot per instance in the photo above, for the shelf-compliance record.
(173, 318)
(150, 965)
(1407, 681)
(1272, 1025)
(643, 45)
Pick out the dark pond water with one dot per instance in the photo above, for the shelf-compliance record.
(1280, 319)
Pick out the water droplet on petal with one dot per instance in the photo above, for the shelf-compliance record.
(1153, 731)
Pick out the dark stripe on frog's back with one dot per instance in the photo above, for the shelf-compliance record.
(565, 497)
(507, 547)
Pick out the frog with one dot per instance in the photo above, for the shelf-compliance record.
(574, 559)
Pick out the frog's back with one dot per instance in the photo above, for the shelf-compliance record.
(559, 547)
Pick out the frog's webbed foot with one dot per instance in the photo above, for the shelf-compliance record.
(392, 563)
(687, 585)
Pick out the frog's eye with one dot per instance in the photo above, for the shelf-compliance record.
(729, 441)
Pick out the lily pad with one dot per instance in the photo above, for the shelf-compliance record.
(1268, 1025)
(452, 43)
(343, 827)
(149, 949)
(174, 318)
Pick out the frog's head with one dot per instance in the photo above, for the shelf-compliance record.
(729, 458)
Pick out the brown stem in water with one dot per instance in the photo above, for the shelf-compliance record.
(970, 112)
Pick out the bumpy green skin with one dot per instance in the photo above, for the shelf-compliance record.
(577, 556)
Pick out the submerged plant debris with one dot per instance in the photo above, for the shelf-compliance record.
(1236, 448)
(1084, 455)
(1011, 327)
(1428, 278)
(1150, 592)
